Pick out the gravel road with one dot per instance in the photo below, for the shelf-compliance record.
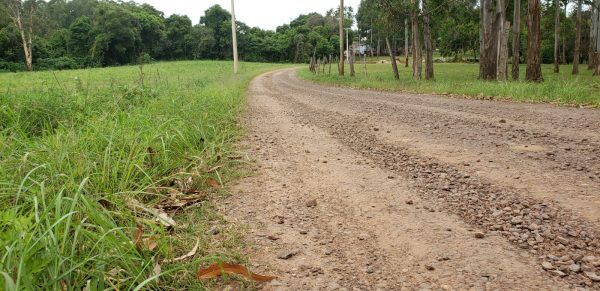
(366, 190)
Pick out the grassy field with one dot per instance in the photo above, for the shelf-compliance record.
(462, 79)
(76, 149)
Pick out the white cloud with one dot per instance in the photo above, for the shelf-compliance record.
(266, 14)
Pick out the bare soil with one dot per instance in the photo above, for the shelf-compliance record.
(367, 190)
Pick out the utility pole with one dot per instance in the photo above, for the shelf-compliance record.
(234, 38)
(341, 62)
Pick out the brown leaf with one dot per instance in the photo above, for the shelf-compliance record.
(218, 269)
(150, 243)
(213, 183)
(189, 254)
(137, 238)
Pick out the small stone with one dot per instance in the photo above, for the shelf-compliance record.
(588, 259)
(410, 202)
(593, 276)
(429, 267)
(502, 121)
(443, 258)
(516, 220)
(479, 235)
(375, 129)
(303, 232)
(311, 203)
(369, 270)
(547, 266)
(562, 240)
(286, 254)
(272, 237)
(575, 268)
(213, 231)
(558, 273)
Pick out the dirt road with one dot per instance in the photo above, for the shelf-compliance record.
(364, 190)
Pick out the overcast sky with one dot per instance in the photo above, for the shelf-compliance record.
(266, 14)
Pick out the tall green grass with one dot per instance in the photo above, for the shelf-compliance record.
(462, 79)
(75, 145)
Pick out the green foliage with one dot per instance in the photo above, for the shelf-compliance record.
(74, 148)
(107, 33)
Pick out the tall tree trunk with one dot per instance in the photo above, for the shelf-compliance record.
(488, 61)
(534, 65)
(577, 49)
(556, 35)
(503, 31)
(592, 42)
(416, 46)
(429, 75)
(341, 63)
(516, 44)
(482, 5)
(392, 59)
(406, 42)
(502, 70)
(596, 37)
(25, 29)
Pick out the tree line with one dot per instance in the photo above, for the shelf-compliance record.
(539, 31)
(61, 34)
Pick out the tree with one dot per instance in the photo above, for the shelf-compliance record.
(416, 46)
(534, 67)
(516, 42)
(595, 38)
(556, 36)
(219, 21)
(392, 58)
(494, 31)
(177, 28)
(341, 16)
(81, 37)
(22, 16)
(576, 51)
(429, 74)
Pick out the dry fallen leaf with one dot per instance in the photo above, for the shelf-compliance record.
(189, 254)
(218, 269)
(160, 215)
(148, 243)
(165, 219)
(137, 238)
(157, 270)
(213, 183)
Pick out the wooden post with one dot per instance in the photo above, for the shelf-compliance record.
(234, 38)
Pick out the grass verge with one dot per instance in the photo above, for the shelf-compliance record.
(77, 147)
(462, 79)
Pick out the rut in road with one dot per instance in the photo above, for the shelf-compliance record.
(407, 185)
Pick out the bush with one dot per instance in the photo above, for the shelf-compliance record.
(11, 66)
(61, 63)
